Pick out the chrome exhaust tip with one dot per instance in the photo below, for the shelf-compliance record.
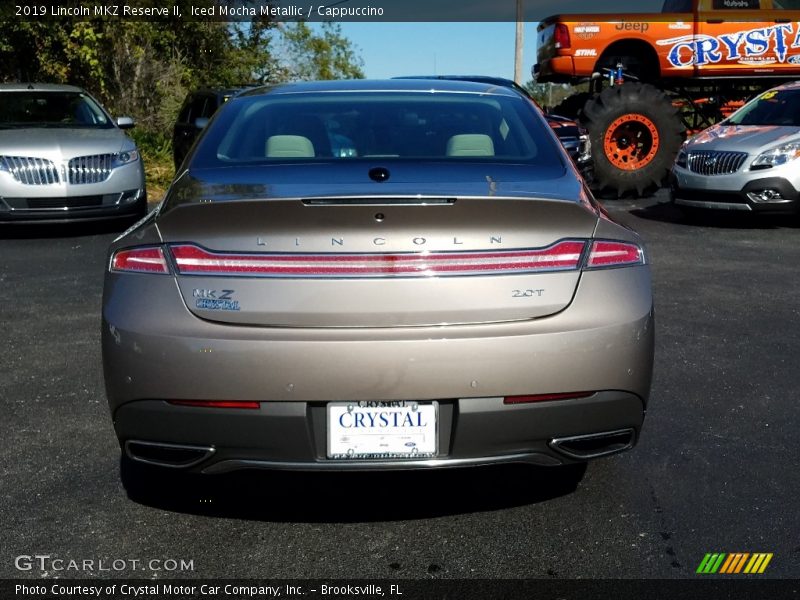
(594, 445)
(176, 456)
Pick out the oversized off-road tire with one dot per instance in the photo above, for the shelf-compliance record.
(635, 132)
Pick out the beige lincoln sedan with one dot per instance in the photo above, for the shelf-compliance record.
(375, 275)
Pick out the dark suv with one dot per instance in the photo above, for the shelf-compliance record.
(195, 113)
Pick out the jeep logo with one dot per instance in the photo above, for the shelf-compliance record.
(640, 27)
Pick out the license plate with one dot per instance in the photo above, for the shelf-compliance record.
(376, 430)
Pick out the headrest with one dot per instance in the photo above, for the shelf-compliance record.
(289, 146)
(470, 144)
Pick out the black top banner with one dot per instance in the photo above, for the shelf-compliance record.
(322, 10)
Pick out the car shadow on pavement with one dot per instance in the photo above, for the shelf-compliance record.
(365, 496)
(669, 213)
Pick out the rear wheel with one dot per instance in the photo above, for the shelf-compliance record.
(635, 132)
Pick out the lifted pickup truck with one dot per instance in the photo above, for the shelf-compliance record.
(653, 78)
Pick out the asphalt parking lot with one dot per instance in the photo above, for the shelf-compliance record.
(715, 471)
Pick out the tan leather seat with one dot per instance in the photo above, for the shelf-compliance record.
(470, 144)
(289, 146)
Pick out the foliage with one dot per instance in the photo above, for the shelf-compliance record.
(155, 150)
(144, 69)
(324, 55)
(549, 95)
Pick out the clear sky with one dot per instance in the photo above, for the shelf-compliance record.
(392, 49)
(442, 48)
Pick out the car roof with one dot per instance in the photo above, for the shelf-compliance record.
(384, 85)
(39, 87)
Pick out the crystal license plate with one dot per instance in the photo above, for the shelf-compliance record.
(379, 430)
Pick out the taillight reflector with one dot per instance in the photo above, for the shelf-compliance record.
(218, 403)
(192, 260)
(544, 397)
(561, 36)
(614, 254)
(142, 260)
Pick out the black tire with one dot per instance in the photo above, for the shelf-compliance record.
(641, 101)
(571, 107)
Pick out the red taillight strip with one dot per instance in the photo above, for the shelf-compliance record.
(614, 254)
(545, 397)
(192, 260)
(218, 403)
(140, 260)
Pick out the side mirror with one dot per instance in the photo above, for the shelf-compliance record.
(201, 122)
(125, 122)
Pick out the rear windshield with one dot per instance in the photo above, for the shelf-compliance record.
(340, 126)
(51, 109)
(775, 107)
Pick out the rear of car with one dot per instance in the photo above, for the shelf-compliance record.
(62, 157)
(748, 162)
(377, 275)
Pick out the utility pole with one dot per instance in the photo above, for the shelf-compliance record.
(518, 45)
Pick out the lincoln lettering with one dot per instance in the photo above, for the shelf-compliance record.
(356, 420)
(377, 241)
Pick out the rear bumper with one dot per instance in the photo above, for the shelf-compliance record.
(602, 343)
(292, 435)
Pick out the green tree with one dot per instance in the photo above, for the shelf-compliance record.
(325, 54)
(144, 69)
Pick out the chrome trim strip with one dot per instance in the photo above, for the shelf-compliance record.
(378, 201)
(722, 205)
(102, 205)
(207, 450)
(531, 458)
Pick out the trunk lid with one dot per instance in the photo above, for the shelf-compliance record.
(389, 260)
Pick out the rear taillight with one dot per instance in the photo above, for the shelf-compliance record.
(566, 255)
(140, 260)
(614, 254)
(561, 256)
(545, 397)
(561, 36)
(247, 404)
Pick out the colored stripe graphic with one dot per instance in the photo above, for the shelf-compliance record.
(710, 563)
(734, 563)
(758, 563)
(727, 564)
